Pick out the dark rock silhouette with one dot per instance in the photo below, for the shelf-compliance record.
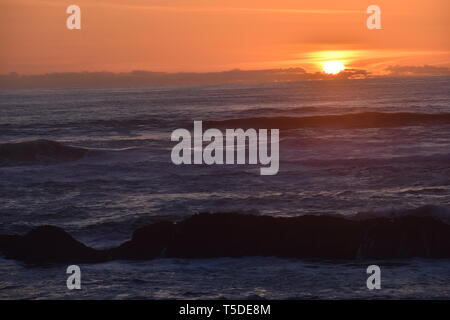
(147, 242)
(48, 244)
(237, 235)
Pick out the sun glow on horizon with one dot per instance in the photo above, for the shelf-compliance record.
(333, 67)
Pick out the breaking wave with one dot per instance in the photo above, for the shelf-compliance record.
(38, 152)
(344, 121)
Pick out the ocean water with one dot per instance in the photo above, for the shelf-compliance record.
(127, 180)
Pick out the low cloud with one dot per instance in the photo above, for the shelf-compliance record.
(425, 70)
(147, 78)
(353, 74)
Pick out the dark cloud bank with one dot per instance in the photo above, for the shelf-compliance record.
(148, 78)
(425, 70)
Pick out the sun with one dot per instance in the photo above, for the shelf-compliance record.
(333, 67)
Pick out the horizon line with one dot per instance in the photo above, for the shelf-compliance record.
(224, 71)
(143, 78)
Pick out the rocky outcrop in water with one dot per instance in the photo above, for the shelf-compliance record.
(48, 244)
(238, 235)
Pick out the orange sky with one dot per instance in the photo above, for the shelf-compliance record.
(213, 35)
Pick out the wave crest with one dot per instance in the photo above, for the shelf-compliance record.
(39, 151)
(344, 121)
(437, 212)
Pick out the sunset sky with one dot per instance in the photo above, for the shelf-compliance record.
(214, 35)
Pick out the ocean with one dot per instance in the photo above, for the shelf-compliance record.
(374, 148)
